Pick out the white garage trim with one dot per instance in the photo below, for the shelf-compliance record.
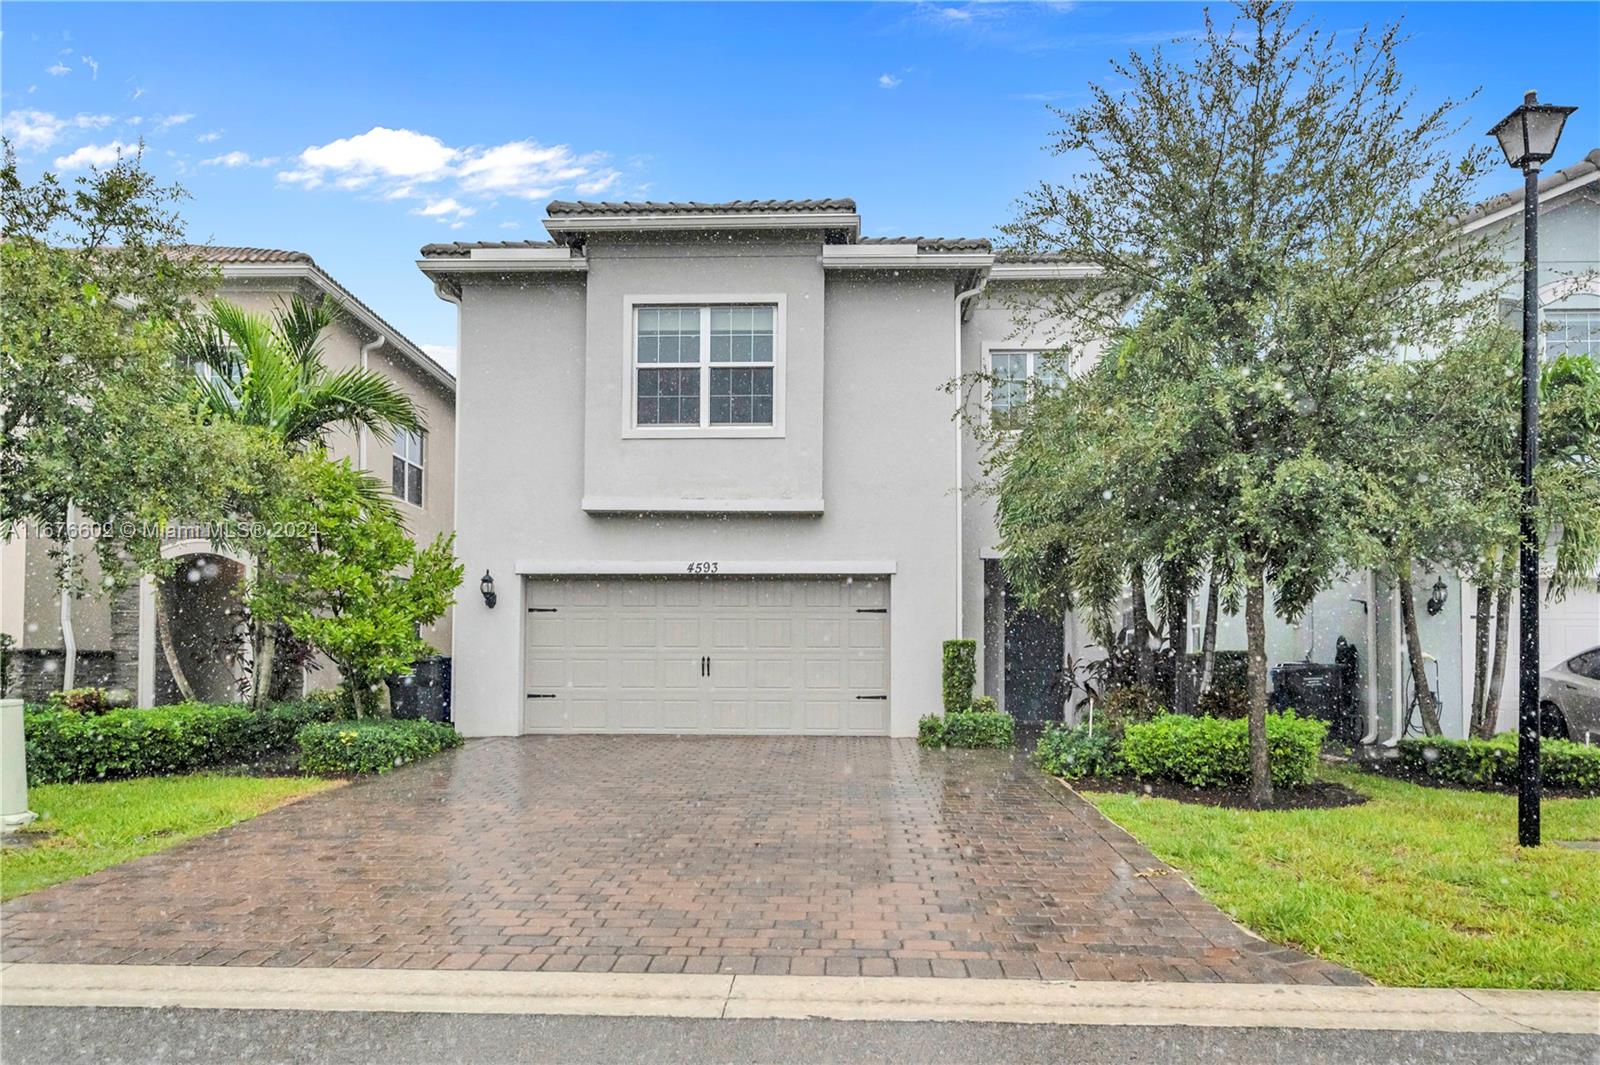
(685, 568)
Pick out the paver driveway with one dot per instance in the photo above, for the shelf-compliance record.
(660, 854)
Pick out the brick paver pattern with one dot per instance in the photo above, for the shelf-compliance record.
(807, 856)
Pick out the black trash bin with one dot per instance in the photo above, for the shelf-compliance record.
(1320, 690)
(425, 694)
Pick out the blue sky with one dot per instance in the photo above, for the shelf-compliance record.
(359, 132)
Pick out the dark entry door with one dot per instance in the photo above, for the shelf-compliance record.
(1035, 646)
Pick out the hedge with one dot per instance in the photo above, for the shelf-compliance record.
(960, 673)
(1073, 751)
(371, 746)
(1212, 752)
(967, 728)
(1493, 763)
(66, 746)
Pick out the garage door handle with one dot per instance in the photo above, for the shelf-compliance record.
(705, 665)
(541, 695)
(872, 610)
(872, 697)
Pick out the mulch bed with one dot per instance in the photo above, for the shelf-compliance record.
(1319, 796)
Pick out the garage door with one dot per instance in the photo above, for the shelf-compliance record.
(708, 655)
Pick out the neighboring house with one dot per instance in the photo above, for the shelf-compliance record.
(116, 635)
(708, 458)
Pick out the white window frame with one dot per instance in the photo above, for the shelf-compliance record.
(993, 348)
(631, 429)
(421, 465)
(1552, 314)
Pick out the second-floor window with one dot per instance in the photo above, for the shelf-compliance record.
(408, 466)
(705, 366)
(1572, 332)
(1012, 375)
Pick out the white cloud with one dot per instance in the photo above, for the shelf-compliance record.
(35, 130)
(443, 354)
(209, 137)
(167, 122)
(510, 225)
(955, 14)
(92, 155)
(58, 69)
(404, 164)
(94, 68)
(888, 81)
(235, 159)
(137, 92)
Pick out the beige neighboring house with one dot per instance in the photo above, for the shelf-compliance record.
(116, 634)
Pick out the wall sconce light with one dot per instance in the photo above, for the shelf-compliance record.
(486, 586)
(1440, 596)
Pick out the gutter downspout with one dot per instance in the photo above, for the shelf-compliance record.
(1397, 700)
(961, 300)
(450, 292)
(361, 431)
(69, 638)
(1370, 609)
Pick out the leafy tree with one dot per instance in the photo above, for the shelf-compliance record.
(1276, 211)
(267, 374)
(346, 577)
(94, 295)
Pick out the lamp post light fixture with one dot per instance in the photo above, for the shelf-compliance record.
(1528, 136)
(486, 589)
(1440, 596)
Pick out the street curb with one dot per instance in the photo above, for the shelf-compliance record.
(826, 997)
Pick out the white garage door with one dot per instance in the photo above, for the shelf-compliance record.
(708, 655)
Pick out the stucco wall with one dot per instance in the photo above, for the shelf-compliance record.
(888, 471)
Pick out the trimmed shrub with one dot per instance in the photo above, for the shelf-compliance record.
(276, 726)
(1493, 763)
(1130, 704)
(960, 673)
(985, 704)
(1211, 752)
(968, 728)
(370, 746)
(1071, 751)
(65, 746)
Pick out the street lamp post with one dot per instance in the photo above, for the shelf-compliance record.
(1528, 136)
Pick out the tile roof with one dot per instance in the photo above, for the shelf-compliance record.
(225, 255)
(1587, 165)
(460, 249)
(563, 208)
(934, 244)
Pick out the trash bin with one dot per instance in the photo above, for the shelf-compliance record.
(1320, 690)
(425, 693)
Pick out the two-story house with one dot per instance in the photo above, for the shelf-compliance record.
(708, 460)
(116, 634)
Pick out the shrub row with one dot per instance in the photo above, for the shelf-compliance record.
(371, 746)
(1212, 752)
(959, 674)
(1493, 763)
(1073, 752)
(967, 728)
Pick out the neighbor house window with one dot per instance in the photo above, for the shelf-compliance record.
(705, 366)
(1012, 375)
(1572, 333)
(408, 466)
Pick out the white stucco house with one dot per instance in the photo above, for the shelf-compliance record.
(707, 457)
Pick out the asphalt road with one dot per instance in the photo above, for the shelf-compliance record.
(58, 1035)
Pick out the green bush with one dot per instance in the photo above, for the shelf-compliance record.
(276, 726)
(1130, 704)
(89, 700)
(1211, 752)
(1071, 751)
(985, 704)
(967, 728)
(1493, 763)
(960, 673)
(65, 746)
(370, 746)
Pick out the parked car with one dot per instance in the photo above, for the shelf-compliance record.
(1569, 695)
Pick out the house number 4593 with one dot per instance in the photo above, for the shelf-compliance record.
(702, 567)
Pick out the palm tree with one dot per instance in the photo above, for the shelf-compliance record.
(267, 372)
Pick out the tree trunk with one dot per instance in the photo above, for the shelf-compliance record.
(1481, 618)
(1419, 671)
(1144, 656)
(1208, 638)
(1177, 602)
(264, 647)
(1255, 623)
(1502, 650)
(169, 649)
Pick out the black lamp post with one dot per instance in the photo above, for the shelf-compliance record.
(1528, 136)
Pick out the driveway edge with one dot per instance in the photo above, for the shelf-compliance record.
(832, 998)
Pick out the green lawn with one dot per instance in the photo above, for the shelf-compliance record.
(1419, 887)
(86, 827)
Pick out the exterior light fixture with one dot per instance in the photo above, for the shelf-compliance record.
(1529, 136)
(1440, 596)
(486, 588)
